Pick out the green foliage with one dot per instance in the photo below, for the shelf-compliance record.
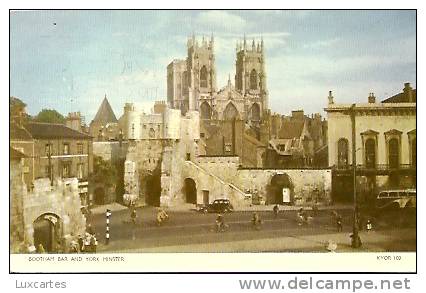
(17, 110)
(50, 116)
(103, 172)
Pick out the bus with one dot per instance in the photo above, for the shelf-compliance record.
(396, 198)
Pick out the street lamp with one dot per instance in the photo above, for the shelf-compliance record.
(355, 239)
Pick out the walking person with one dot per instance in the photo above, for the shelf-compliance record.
(339, 224)
(276, 210)
(369, 225)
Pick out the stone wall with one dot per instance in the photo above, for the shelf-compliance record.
(18, 190)
(110, 150)
(61, 201)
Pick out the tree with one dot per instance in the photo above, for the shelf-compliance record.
(49, 116)
(103, 172)
(17, 110)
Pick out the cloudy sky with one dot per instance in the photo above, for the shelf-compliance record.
(68, 60)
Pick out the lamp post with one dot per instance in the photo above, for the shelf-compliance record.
(355, 239)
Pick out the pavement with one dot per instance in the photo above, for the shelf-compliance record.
(373, 241)
(113, 207)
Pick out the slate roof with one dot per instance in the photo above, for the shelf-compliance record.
(50, 130)
(401, 98)
(18, 132)
(291, 129)
(105, 114)
(15, 154)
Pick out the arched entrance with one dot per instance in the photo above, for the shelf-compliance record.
(153, 190)
(190, 191)
(47, 232)
(99, 196)
(281, 190)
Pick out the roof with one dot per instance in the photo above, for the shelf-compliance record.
(253, 140)
(50, 130)
(402, 98)
(15, 154)
(105, 113)
(19, 132)
(291, 129)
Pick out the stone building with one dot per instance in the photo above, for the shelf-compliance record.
(53, 151)
(49, 214)
(191, 83)
(296, 141)
(385, 144)
(104, 126)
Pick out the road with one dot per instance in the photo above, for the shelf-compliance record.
(193, 228)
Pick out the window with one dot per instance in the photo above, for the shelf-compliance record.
(80, 148)
(48, 149)
(342, 152)
(66, 170)
(370, 153)
(133, 130)
(80, 171)
(66, 149)
(393, 153)
(414, 152)
(151, 133)
(203, 77)
(253, 80)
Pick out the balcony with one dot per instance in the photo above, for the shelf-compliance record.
(378, 169)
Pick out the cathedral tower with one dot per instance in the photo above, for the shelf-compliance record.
(201, 72)
(250, 77)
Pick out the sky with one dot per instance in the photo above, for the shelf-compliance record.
(69, 60)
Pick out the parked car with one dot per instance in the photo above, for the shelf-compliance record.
(218, 206)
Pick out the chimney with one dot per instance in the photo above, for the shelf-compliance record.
(408, 91)
(371, 98)
(330, 98)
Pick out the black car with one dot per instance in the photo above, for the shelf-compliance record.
(218, 206)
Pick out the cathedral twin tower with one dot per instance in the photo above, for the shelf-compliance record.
(191, 83)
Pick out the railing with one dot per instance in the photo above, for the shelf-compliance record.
(377, 168)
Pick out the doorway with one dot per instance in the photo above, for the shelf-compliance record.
(190, 191)
(46, 232)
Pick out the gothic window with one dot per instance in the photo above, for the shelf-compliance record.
(230, 112)
(342, 152)
(370, 153)
(253, 80)
(151, 133)
(255, 112)
(393, 153)
(205, 111)
(203, 77)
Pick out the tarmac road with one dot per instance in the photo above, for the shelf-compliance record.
(193, 228)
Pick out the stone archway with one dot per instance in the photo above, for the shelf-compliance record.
(47, 232)
(99, 196)
(190, 189)
(280, 188)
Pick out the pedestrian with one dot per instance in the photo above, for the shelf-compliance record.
(40, 248)
(369, 225)
(339, 224)
(315, 209)
(133, 216)
(276, 210)
(80, 243)
(256, 221)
